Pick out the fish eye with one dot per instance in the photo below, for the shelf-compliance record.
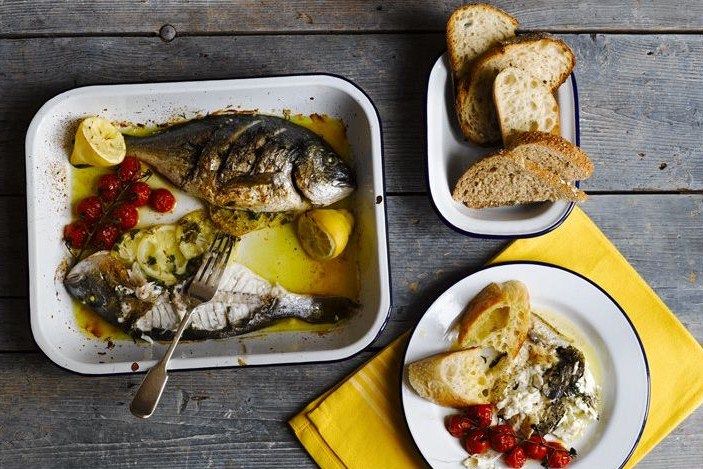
(330, 160)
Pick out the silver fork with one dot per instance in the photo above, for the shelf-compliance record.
(201, 289)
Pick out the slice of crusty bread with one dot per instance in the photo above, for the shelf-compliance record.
(554, 153)
(473, 29)
(453, 379)
(523, 104)
(498, 317)
(548, 59)
(506, 179)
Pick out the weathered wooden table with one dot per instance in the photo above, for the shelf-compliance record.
(641, 94)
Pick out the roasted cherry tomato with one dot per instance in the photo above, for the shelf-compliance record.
(558, 458)
(90, 209)
(503, 441)
(126, 216)
(457, 425)
(516, 457)
(162, 200)
(129, 169)
(481, 414)
(476, 446)
(502, 428)
(476, 441)
(535, 447)
(106, 236)
(138, 193)
(109, 186)
(76, 234)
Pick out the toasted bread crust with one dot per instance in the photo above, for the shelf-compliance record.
(452, 379)
(512, 295)
(452, 47)
(466, 87)
(557, 144)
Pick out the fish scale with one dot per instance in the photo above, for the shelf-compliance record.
(247, 161)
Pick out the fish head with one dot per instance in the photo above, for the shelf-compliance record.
(322, 176)
(93, 281)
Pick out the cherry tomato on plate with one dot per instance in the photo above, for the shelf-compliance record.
(106, 236)
(516, 457)
(558, 458)
(129, 169)
(138, 194)
(109, 186)
(126, 215)
(480, 414)
(90, 209)
(502, 428)
(458, 425)
(76, 234)
(477, 441)
(503, 441)
(162, 200)
(535, 447)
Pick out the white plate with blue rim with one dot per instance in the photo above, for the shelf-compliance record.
(580, 309)
(449, 155)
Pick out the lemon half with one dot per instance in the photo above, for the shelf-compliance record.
(98, 143)
(324, 233)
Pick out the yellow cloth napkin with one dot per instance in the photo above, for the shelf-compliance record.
(359, 423)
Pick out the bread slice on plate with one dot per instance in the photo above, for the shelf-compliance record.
(523, 104)
(548, 59)
(554, 153)
(473, 29)
(453, 379)
(508, 179)
(498, 317)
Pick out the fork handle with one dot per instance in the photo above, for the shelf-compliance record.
(149, 393)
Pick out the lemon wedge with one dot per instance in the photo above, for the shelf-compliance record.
(324, 233)
(98, 143)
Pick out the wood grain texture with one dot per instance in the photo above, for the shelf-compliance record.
(640, 96)
(207, 418)
(220, 16)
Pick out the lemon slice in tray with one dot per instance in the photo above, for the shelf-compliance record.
(98, 143)
(324, 233)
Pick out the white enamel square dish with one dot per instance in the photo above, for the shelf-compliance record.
(571, 299)
(49, 209)
(449, 155)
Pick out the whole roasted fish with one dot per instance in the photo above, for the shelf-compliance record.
(247, 161)
(243, 303)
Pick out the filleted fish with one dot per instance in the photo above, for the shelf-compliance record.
(244, 302)
(247, 161)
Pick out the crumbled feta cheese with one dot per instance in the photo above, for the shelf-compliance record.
(482, 461)
(148, 292)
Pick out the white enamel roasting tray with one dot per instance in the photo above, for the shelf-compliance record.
(49, 209)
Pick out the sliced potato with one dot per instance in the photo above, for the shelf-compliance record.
(194, 233)
(159, 255)
(126, 246)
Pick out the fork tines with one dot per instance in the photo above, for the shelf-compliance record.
(212, 268)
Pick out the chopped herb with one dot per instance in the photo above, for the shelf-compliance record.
(171, 258)
(151, 260)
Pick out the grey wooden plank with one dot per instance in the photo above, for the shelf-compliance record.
(659, 234)
(201, 16)
(207, 418)
(640, 96)
(15, 333)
